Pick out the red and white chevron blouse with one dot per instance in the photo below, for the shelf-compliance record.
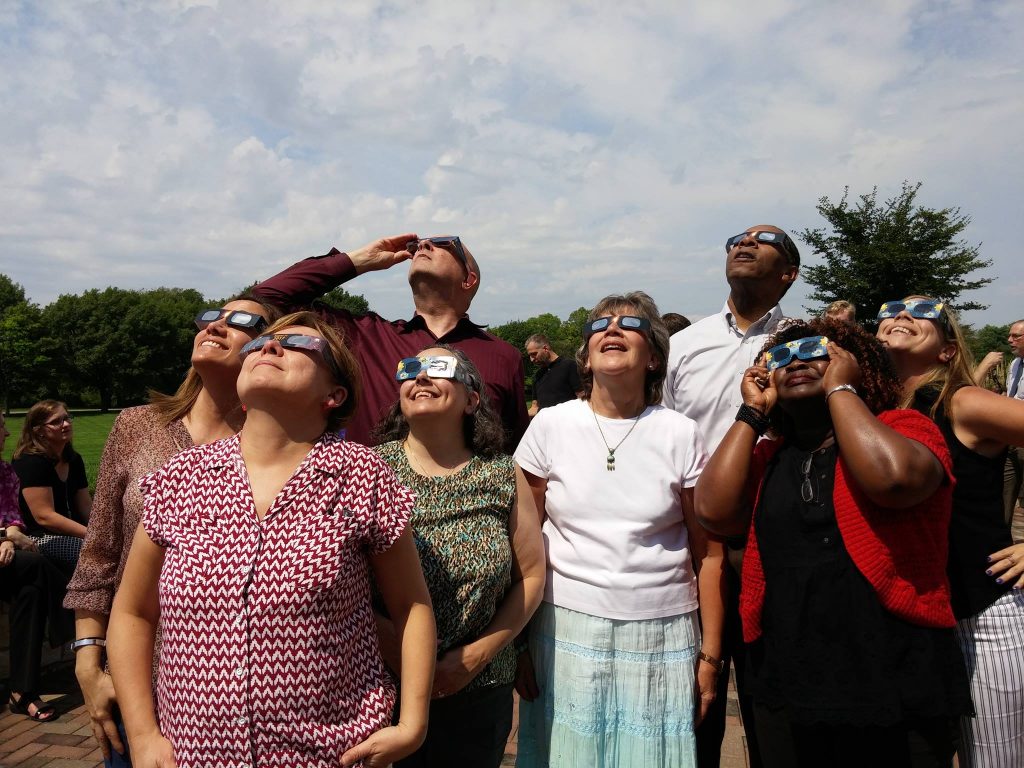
(270, 652)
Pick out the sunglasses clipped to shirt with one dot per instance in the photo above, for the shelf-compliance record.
(451, 244)
(236, 318)
(809, 348)
(302, 341)
(435, 366)
(625, 323)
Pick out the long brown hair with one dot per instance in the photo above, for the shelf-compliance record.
(170, 408)
(31, 441)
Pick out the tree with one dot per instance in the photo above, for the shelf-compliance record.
(879, 252)
(24, 351)
(565, 336)
(339, 298)
(11, 293)
(119, 343)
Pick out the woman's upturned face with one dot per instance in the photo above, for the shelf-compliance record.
(299, 373)
(916, 337)
(427, 397)
(56, 430)
(219, 343)
(800, 379)
(616, 351)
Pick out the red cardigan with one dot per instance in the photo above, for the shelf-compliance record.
(901, 552)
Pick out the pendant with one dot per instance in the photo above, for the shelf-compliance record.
(610, 465)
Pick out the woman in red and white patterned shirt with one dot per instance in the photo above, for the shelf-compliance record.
(254, 555)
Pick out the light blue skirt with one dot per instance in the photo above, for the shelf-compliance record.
(613, 694)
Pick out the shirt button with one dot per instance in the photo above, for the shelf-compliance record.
(826, 540)
(240, 620)
(239, 671)
(241, 720)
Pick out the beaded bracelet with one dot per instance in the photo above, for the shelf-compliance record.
(753, 418)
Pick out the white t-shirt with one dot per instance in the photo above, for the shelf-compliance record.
(706, 362)
(617, 545)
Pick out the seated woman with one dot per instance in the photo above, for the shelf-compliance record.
(844, 596)
(478, 536)
(34, 587)
(205, 408)
(254, 555)
(986, 569)
(623, 671)
(54, 498)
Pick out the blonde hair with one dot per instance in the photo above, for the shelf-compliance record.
(947, 377)
(170, 408)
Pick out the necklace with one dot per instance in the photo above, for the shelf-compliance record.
(610, 461)
(409, 454)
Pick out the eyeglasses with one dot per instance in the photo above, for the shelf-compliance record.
(451, 244)
(809, 348)
(926, 309)
(435, 366)
(778, 239)
(922, 309)
(300, 341)
(59, 421)
(235, 318)
(625, 323)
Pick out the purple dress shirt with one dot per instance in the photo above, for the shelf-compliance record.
(379, 344)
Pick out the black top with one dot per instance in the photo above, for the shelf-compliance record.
(978, 527)
(830, 652)
(36, 471)
(557, 383)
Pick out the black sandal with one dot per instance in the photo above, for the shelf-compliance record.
(45, 713)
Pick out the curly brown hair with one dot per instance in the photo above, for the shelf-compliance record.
(879, 387)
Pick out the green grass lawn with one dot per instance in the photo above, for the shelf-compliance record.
(91, 430)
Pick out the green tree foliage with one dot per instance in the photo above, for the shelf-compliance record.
(10, 293)
(117, 343)
(874, 252)
(565, 335)
(24, 352)
(990, 338)
(339, 298)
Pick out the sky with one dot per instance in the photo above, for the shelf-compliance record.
(578, 148)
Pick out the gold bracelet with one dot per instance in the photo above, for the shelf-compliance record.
(718, 664)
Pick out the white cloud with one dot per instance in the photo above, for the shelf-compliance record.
(579, 148)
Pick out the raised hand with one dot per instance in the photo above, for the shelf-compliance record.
(757, 388)
(843, 368)
(382, 254)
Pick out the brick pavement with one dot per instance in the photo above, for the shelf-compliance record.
(67, 742)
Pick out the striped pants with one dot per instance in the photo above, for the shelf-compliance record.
(993, 645)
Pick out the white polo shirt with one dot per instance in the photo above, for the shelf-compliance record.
(705, 366)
